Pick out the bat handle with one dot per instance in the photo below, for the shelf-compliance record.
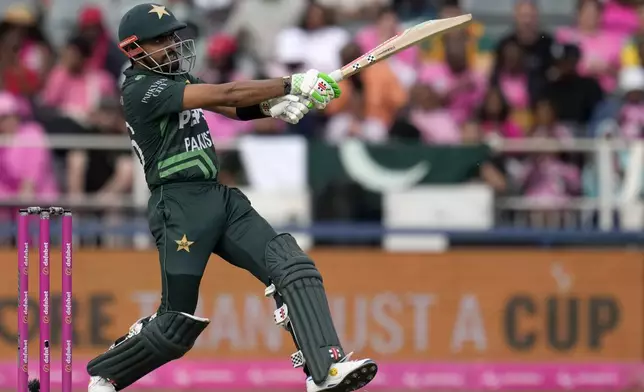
(336, 75)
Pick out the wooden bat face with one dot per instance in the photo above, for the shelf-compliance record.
(395, 44)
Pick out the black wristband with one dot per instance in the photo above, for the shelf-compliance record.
(248, 113)
(287, 85)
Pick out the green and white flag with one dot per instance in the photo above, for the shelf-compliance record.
(392, 167)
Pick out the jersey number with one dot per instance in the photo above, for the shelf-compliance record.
(137, 149)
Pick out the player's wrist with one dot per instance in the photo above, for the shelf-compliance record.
(288, 85)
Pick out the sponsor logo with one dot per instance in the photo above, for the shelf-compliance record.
(45, 307)
(335, 353)
(322, 86)
(200, 142)
(190, 117)
(129, 40)
(155, 90)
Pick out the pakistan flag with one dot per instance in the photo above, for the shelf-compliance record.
(353, 175)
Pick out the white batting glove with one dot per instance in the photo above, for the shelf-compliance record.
(289, 108)
(319, 87)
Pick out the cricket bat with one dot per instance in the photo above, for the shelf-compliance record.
(411, 36)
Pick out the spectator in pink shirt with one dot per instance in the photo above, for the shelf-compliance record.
(511, 77)
(460, 87)
(549, 183)
(432, 120)
(621, 17)
(546, 124)
(25, 162)
(494, 117)
(624, 117)
(546, 178)
(600, 48)
(631, 117)
(74, 87)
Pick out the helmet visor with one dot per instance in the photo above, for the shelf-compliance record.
(178, 57)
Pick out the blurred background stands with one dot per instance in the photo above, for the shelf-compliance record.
(535, 113)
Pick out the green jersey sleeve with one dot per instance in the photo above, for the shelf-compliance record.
(194, 80)
(153, 98)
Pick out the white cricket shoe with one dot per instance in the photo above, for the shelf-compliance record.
(99, 384)
(345, 376)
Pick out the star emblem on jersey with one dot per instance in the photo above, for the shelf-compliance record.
(159, 10)
(184, 244)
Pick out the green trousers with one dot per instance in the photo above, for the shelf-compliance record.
(191, 221)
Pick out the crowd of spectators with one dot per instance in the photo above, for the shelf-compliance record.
(580, 80)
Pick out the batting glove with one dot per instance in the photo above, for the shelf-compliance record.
(319, 87)
(289, 108)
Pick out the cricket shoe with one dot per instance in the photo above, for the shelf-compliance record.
(345, 376)
(99, 384)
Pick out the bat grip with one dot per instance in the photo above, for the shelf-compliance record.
(336, 75)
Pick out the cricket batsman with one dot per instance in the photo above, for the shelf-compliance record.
(191, 215)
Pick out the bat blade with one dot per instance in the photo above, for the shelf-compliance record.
(395, 44)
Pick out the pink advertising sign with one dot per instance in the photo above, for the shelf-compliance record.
(258, 375)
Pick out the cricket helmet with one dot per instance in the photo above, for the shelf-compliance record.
(148, 22)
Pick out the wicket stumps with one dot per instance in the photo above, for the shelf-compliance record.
(44, 299)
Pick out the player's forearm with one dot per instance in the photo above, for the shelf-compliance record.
(253, 92)
(235, 94)
(224, 111)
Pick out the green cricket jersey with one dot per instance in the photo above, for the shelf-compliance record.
(173, 145)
